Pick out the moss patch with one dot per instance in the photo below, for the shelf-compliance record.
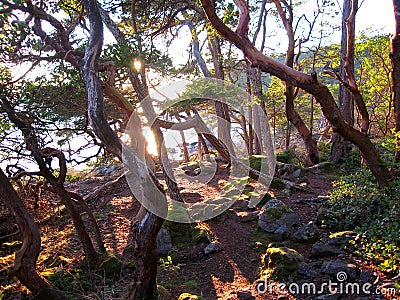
(111, 266)
(280, 263)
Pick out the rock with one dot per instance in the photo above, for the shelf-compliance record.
(213, 247)
(365, 275)
(297, 173)
(247, 216)
(308, 270)
(341, 239)
(164, 242)
(111, 266)
(277, 183)
(335, 268)
(274, 214)
(281, 263)
(319, 250)
(282, 233)
(201, 235)
(241, 204)
(245, 295)
(306, 233)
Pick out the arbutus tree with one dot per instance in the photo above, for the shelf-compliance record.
(309, 83)
(395, 58)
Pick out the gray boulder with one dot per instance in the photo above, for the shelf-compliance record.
(275, 214)
(335, 268)
(319, 250)
(164, 242)
(306, 233)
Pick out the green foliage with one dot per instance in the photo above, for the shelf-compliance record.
(358, 204)
(285, 156)
(168, 264)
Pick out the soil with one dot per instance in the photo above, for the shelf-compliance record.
(229, 274)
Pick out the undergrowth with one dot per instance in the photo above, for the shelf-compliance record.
(356, 203)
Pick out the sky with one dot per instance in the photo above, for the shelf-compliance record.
(376, 13)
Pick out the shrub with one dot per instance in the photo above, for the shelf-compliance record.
(373, 213)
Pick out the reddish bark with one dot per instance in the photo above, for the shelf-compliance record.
(395, 58)
(309, 83)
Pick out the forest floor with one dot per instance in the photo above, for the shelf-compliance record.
(228, 274)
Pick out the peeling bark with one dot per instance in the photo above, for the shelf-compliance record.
(309, 83)
(395, 59)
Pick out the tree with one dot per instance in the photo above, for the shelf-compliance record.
(309, 83)
(395, 58)
(25, 258)
(287, 18)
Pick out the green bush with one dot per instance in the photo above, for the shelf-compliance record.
(373, 213)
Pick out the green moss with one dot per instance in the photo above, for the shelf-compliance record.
(188, 296)
(163, 293)
(201, 234)
(191, 285)
(277, 183)
(280, 263)
(111, 266)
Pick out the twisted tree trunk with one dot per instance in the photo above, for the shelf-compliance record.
(25, 258)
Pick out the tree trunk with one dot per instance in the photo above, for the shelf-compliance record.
(25, 258)
(146, 227)
(339, 147)
(146, 258)
(311, 156)
(309, 83)
(395, 58)
(40, 156)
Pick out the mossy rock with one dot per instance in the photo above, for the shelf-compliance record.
(111, 266)
(201, 234)
(163, 293)
(188, 296)
(180, 233)
(277, 183)
(280, 263)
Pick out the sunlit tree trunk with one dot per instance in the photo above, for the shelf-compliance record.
(395, 58)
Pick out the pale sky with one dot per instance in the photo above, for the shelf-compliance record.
(376, 14)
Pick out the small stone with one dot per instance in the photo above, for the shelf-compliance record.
(306, 233)
(282, 233)
(281, 263)
(365, 275)
(297, 173)
(319, 250)
(213, 247)
(336, 267)
(307, 270)
(247, 216)
(341, 239)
